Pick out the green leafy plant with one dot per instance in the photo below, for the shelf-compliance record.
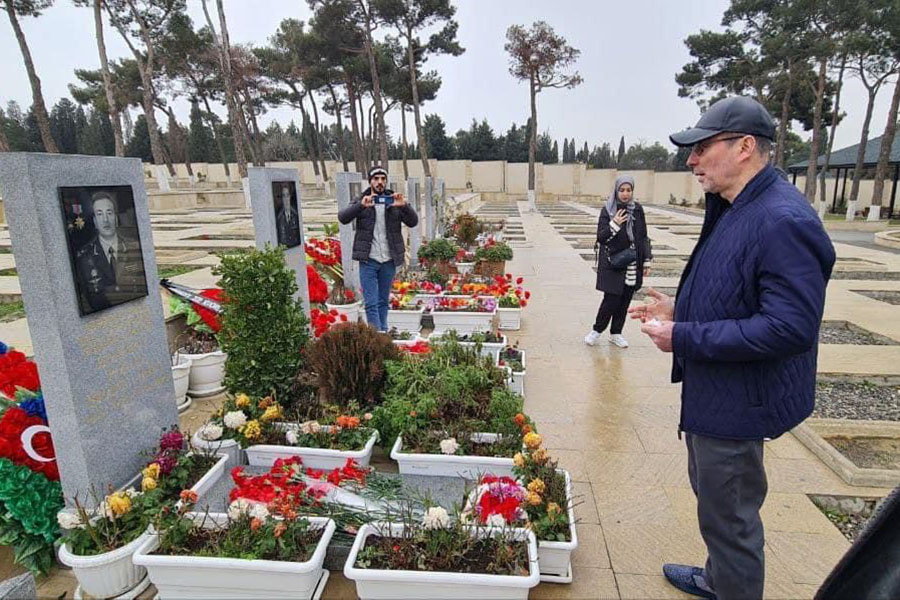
(118, 519)
(494, 252)
(264, 329)
(440, 249)
(348, 361)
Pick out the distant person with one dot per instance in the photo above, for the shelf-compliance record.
(744, 332)
(378, 243)
(109, 267)
(287, 220)
(623, 259)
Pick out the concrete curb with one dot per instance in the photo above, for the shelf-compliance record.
(809, 434)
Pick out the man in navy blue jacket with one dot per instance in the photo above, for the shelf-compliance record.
(743, 329)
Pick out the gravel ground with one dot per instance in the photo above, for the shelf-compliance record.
(883, 296)
(874, 275)
(852, 400)
(850, 525)
(838, 332)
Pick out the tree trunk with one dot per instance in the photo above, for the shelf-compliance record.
(340, 138)
(861, 154)
(310, 145)
(810, 188)
(834, 119)
(4, 143)
(319, 149)
(40, 109)
(403, 145)
(376, 92)
(532, 139)
(358, 157)
(420, 135)
(887, 140)
(257, 138)
(179, 140)
(245, 131)
(785, 117)
(216, 136)
(113, 108)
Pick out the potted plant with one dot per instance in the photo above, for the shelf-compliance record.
(416, 556)
(510, 302)
(465, 262)
(181, 372)
(324, 256)
(465, 315)
(466, 228)
(199, 348)
(245, 553)
(439, 253)
(319, 446)
(492, 257)
(237, 424)
(405, 313)
(514, 358)
(487, 343)
(344, 301)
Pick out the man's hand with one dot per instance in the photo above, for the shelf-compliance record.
(399, 200)
(661, 307)
(661, 334)
(368, 200)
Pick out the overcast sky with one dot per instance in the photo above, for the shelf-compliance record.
(630, 53)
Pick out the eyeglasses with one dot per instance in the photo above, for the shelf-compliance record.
(701, 147)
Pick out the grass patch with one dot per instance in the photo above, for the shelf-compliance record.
(5, 250)
(175, 270)
(9, 272)
(12, 311)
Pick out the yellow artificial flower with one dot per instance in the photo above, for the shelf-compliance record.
(532, 440)
(553, 509)
(519, 460)
(151, 471)
(533, 498)
(242, 400)
(537, 486)
(119, 503)
(251, 430)
(272, 413)
(540, 456)
(147, 484)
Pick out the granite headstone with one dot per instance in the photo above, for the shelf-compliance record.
(106, 377)
(415, 234)
(441, 198)
(349, 186)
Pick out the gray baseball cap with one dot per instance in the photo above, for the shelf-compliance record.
(738, 114)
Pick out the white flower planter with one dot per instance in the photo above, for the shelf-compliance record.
(351, 310)
(517, 380)
(407, 343)
(555, 558)
(509, 318)
(487, 348)
(451, 465)
(464, 268)
(211, 477)
(378, 583)
(265, 455)
(207, 373)
(109, 574)
(406, 320)
(180, 377)
(229, 447)
(462, 322)
(211, 577)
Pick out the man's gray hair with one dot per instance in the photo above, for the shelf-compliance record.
(104, 195)
(763, 145)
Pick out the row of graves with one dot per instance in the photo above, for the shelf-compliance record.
(280, 486)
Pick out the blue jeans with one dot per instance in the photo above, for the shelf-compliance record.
(376, 279)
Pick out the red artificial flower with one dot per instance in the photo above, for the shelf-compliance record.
(13, 424)
(16, 371)
(519, 280)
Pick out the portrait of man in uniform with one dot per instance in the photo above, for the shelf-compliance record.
(105, 247)
(287, 217)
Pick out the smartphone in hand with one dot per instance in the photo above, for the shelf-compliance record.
(384, 199)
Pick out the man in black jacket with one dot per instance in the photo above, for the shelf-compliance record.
(378, 242)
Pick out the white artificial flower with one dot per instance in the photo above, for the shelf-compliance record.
(68, 520)
(495, 520)
(239, 507)
(449, 446)
(291, 437)
(436, 517)
(210, 432)
(310, 427)
(259, 511)
(235, 419)
(132, 493)
(105, 510)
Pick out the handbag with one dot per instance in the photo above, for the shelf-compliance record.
(621, 259)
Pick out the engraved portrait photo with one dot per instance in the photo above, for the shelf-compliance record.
(287, 217)
(104, 245)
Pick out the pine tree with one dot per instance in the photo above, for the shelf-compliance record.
(200, 138)
(554, 154)
(139, 144)
(621, 154)
(565, 154)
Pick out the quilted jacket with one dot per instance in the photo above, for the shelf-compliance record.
(747, 313)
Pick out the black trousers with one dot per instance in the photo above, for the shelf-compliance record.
(729, 480)
(615, 307)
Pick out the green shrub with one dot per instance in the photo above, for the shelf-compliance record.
(440, 249)
(264, 330)
(496, 252)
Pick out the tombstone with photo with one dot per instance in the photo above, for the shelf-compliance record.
(287, 214)
(349, 187)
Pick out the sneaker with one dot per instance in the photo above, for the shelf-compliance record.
(619, 340)
(689, 580)
(592, 338)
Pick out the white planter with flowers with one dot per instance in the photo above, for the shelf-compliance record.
(213, 577)
(491, 349)
(205, 442)
(181, 372)
(406, 320)
(383, 583)
(452, 465)
(412, 341)
(211, 477)
(509, 318)
(464, 268)
(265, 455)
(462, 322)
(207, 373)
(352, 310)
(109, 574)
(516, 382)
(555, 558)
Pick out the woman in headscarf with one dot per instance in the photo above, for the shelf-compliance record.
(623, 261)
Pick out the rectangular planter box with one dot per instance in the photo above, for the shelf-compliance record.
(212, 476)
(227, 446)
(211, 577)
(555, 558)
(517, 380)
(451, 465)
(487, 349)
(377, 583)
(406, 320)
(265, 455)
(509, 318)
(462, 322)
